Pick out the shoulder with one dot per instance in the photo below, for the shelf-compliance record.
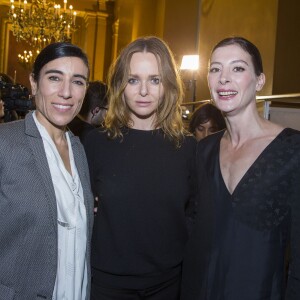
(189, 140)
(288, 142)
(96, 134)
(12, 132)
(96, 140)
(290, 135)
(187, 146)
(210, 141)
(11, 126)
(288, 146)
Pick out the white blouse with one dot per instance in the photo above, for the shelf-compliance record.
(71, 279)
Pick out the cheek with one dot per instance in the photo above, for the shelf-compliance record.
(80, 98)
(80, 95)
(130, 91)
(211, 79)
(78, 108)
(199, 135)
(40, 101)
(46, 90)
(212, 85)
(198, 131)
(245, 81)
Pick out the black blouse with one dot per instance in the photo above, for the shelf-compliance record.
(250, 228)
(145, 189)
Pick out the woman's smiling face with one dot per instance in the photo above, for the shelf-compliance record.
(232, 80)
(60, 91)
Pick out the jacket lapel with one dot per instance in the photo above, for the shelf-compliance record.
(38, 152)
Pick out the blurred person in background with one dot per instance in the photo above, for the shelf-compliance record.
(16, 98)
(205, 120)
(93, 110)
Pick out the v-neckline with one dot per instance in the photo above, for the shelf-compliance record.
(249, 170)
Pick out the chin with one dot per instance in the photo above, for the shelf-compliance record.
(146, 113)
(61, 123)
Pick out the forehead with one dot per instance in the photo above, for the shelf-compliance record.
(66, 65)
(230, 53)
(144, 60)
(207, 124)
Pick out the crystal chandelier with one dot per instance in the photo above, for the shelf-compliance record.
(41, 22)
(27, 57)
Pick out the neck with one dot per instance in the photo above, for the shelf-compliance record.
(57, 133)
(142, 124)
(241, 128)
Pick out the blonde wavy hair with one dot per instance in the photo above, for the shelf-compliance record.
(168, 115)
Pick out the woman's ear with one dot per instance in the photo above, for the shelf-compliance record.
(95, 111)
(33, 84)
(260, 82)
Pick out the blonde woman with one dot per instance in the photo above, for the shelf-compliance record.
(142, 171)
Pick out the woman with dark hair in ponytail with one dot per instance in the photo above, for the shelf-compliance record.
(238, 250)
(46, 204)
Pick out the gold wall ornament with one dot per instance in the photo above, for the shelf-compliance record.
(42, 22)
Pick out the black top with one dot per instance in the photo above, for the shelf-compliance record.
(144, 184)
(251, 227)
(80, 128)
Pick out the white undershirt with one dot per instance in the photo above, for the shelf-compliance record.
(71, 279)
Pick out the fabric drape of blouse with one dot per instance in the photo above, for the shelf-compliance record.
(252, 225)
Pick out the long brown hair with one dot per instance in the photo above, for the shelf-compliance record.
(168, 116)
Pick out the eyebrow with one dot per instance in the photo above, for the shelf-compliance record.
(239, 61)
(232, 62)
(61, 73)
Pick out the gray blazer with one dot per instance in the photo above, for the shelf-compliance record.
(28, 214)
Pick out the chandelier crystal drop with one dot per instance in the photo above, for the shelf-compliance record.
(42, 22)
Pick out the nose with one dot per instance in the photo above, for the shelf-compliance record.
(143, 89)
(224, 78)
(65, 90)
(206, 132)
